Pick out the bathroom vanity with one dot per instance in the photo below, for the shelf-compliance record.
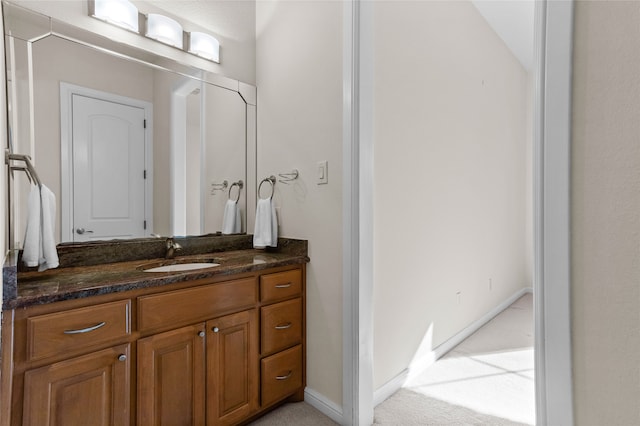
(110, 344)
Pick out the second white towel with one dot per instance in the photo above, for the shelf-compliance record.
(39, 241)
(265, 233)
(231, 221)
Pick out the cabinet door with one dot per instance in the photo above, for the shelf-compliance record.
(232, 368)
(171, 378)
(88, 390)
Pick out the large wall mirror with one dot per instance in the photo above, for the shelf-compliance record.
(131, 144)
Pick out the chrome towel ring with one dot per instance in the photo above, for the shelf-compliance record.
(272, 180)
(240, 185)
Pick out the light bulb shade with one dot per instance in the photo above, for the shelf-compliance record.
(118, 12)
(204, 45)
(164, 29)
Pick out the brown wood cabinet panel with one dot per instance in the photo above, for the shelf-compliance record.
(281, 375)
(77, 328)
(232, 368)
(188, 306)
(171, 378)
(281, 285)
(281, 325)
(89, 390)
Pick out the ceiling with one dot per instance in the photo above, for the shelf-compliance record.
(512, 20)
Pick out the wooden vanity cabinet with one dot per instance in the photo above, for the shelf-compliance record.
(171, 377)
(232, 368)
(71, 366)
(208, 352)
(89, 390)
(282, 325)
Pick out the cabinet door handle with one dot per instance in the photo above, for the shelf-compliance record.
(287, 285)
(285, 377)
(201, 334)
(215, 329)
(122, 357)
(85, 330)
(283, 326)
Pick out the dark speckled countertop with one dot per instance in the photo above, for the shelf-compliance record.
(85, 280)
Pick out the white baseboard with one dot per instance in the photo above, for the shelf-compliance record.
(418, 366)
(391, 387)
(322, 404)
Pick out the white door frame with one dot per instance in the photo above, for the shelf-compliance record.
(552, 125)
(178, 155)
(67, 91)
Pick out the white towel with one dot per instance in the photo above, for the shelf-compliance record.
(265, 233)
(231, 222)
(39, 242)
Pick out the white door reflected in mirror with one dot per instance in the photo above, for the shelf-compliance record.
(108, 169)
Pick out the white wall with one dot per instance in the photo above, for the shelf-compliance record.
(299, 79)
(232, 25)
(450, 189)
(606, 213)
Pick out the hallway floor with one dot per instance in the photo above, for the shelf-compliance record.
(488, 379)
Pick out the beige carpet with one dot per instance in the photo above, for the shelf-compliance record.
(294, 414)
(406, 408)
(488, 374)
(486, 380)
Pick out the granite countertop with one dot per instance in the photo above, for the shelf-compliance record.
(74, 282)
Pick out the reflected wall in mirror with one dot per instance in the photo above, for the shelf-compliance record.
(129, 148)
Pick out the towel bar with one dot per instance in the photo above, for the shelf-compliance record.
(27, 168)
(286, 178)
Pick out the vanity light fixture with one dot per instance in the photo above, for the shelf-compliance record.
(118, 12)
(165, 30)
(205, 46)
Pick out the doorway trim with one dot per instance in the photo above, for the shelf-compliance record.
(552, 212)
(552, 141)
(67, 91)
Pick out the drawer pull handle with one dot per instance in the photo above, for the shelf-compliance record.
(85, 330)
(285, 377)
(287, 285)
(283, 326)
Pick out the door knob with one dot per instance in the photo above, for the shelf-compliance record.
(82, 231)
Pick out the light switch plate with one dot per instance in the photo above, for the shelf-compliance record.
(322, 170)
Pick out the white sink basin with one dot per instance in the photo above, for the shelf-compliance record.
(181, 267)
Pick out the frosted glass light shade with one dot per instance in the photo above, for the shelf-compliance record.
(164, 29)
(118, 12)
(204, 45)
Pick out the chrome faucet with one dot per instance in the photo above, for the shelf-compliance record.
(172, 248)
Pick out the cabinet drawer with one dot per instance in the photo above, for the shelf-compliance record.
(281, 375)
(281, 285)
(281, 325)
(51, 334)
(180, 307)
